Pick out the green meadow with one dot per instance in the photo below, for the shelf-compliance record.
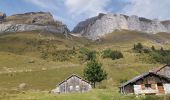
(42, 60)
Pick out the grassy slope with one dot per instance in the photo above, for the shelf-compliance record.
(20, 62)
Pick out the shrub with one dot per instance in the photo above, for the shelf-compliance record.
(153, 48)
(138, 48)
(88, 54)
(112, 54)
(146, 50)
(106, 53)
(123, 80)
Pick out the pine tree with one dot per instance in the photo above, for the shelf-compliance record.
(153, 48)
(94, 72)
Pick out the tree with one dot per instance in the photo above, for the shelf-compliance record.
(153, 48)
(134, 47)
(94, 72)
(138, 47)
(162, 51)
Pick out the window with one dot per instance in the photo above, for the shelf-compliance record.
(77, 88)
(160, 84)
(71, 88)
(148, 86)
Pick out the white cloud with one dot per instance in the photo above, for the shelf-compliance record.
(48, 4)
(149, 8)
(86, 7)
(73, 11)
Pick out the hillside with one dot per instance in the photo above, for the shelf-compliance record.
(43, 59)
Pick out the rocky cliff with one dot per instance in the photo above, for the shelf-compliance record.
(31, 21)
(2, 16)
(103, 24)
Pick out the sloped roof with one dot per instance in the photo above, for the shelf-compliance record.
(157, 70)
(73, 75)
(141, 76)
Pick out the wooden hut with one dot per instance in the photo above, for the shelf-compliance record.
(72, 84)
(147, 83)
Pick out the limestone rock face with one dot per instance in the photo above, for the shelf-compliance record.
(40, 18)
(2, 16)
(103, 24)
(31, 21)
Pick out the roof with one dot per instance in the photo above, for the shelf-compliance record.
(141, 76)
(157, 70)
(73, 75)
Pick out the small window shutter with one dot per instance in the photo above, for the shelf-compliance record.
(153, 86)
(143, 86)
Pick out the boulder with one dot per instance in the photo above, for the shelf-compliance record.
(22, 86)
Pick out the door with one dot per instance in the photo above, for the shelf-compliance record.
(161, 88)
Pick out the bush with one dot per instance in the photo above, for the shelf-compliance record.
(161, 56)
(123, 80)
(112, 54)
(146, 50)
(62, 55)
(106, 53)
(88, 54)
(138, 46)
(153, 48)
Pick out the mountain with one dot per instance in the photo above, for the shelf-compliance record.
(43, 21)
(42, 59)
(103, 24)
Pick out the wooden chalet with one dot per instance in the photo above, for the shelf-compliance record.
(153, 82)
(72, 84)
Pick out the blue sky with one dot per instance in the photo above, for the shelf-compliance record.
(71, 12)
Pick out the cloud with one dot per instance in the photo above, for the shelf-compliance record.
(86, 7)
(73, 11)
(149, 8)
(46, 4)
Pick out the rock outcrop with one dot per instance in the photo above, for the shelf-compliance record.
(42, 21)
(2, 16)
(103, 24)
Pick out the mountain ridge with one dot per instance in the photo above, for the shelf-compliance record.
(96, 27)
(31, 21)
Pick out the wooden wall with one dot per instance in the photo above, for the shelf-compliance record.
(149, 79)
(74, 84)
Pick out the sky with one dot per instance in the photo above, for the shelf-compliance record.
(71, 12)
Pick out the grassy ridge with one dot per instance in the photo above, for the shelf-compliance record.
(21, 61)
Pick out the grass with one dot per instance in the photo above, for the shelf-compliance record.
(95, 94)
(21, 62)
